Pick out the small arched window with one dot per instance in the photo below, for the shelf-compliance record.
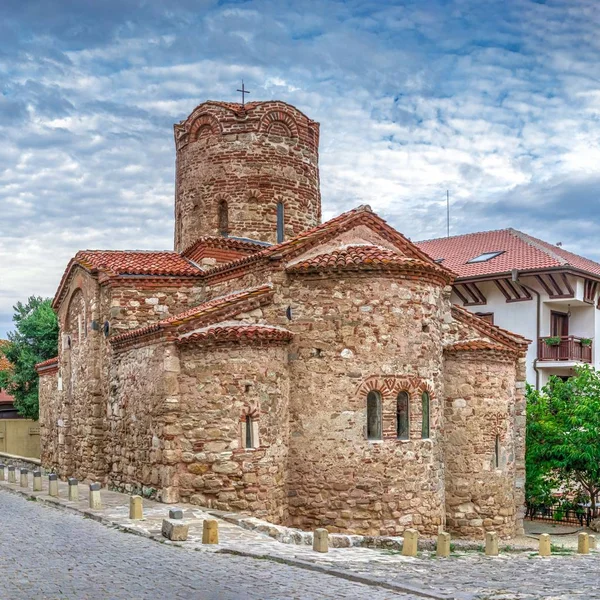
(223, 218)
(374, 415)
(425, 418)
(249, 426)
(280, 222)
(402, 419)
(497, 452)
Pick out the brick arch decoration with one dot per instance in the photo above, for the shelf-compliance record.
(391, 386)
(75, 308)
(279, 121)
(205, 124)
(249, 410)
(253, 195)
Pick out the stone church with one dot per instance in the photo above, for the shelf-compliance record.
(306, 373)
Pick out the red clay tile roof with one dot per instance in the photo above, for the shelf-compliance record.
(362, 257)
(136, 262)
(519, 251)
(221, 247)
(356, 216)
(474, 346)
(237, 332)
(204, 309)
(499, 334)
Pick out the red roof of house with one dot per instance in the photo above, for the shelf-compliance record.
(136, 262)
(519, 251)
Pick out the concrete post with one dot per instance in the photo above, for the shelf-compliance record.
(136, 510)
(545, 549)
(53, 485)
(24, 478)
(95, 500)
(37, 481)
(210, 531)
(583, 543)
(12, 478)
(73, 489)
(491, 543)
(411, 541)
(321, 540)
(593, 542)
(2, 467)
(443, 545)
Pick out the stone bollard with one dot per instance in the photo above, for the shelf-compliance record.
(210, 531)
(53, 485)
(175, 530)
(491, 543)
(583, 543)
(2, 467)
(95, 500)
(593, 542)
(24, 478)
(175, 513)
(37, 481)
(12, 478)
(545, 549)
(411, 541)
(73, 489)
(136, 510)
(321, 540)
(443, 545)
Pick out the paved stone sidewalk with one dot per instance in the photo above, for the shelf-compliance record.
(49, 554)
(466, 575)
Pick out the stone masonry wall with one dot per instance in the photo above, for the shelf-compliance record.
(355, 334)
(249, 158)
(480, 405)
(219, 386)
(50, 401)
(140, 412)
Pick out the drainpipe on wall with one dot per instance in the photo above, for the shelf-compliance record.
(515, 278)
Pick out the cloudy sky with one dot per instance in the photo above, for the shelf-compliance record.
(497, 101)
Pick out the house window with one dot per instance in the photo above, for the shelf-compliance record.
(402, 418)
(373, 415)
(489, 317)
(223, 215)
(280, 219)
(559, 324)
(485, 257)
(425, 413)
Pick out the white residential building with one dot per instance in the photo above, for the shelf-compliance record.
(529, 287)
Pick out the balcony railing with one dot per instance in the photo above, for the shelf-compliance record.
(569, 348)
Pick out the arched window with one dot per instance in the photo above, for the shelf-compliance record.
(497, 452)
(373, 415)
(280, 222)
(223, 214)
(402, 419)
(249, 442)
(425, 413)
(249, 431)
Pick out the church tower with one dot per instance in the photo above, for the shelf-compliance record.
(249, 171)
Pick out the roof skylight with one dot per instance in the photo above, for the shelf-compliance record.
(485, 257)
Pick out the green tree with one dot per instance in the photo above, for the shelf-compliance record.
(563, 436)
(34, 340)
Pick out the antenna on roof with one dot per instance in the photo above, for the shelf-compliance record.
(447, 213)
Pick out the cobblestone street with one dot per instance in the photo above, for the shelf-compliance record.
(50, 554)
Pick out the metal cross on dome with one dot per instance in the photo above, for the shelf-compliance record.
(243, 91)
